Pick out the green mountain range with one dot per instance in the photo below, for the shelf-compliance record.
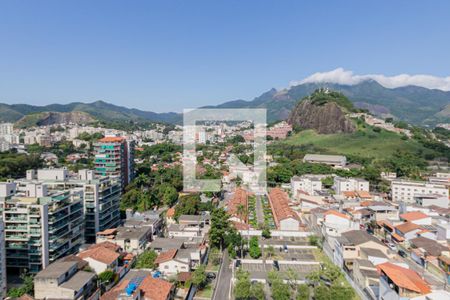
(99, 110)
(413, 104)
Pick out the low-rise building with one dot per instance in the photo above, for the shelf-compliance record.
(305, 184)
(398, 283)
(284, 216)
(406, 191)
(335, 223)
(342, 185)
(332, 160)
(348, 247)
(64, 280)
(365, 274)
(426, 200)
(101, 259)
(139, 284)
(383, 212)
(416, 217)
(406, 231)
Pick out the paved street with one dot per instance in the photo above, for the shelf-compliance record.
(259, 210)
(222, 290)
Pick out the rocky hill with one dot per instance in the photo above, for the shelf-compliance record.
(51, 118)
(324, 111)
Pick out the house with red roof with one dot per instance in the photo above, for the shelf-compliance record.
(416, 217)
(174, 261)
(406, 231)
(238, 206)
(285, 217)
(101, 258)
(397, 282)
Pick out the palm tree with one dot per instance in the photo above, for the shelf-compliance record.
(241, 211)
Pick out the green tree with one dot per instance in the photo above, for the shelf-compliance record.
(199, 277)
(257, 291)
(242, 286)
(266, 232)
(27, 287)
(314, 240)
(303, 292)
(220, 228)
(321, 292)
(255, 250)
(188, 205)
(341, 292)
(169, 194)
(146, 260)
(106, 276)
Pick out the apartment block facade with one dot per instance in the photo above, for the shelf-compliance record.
(114, 157)
(350, 184)
(100, 195)
(406, 191)
(2, 261)
(40, 226)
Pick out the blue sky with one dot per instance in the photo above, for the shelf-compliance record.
(169, 55)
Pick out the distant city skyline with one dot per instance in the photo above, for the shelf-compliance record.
(169, 55)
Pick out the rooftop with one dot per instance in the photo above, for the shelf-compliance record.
(101, 254)
(358, 237)
(413, 216)
(78, 281)
(56, 269)
(405, 278)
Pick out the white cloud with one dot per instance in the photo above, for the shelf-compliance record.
(341, 76)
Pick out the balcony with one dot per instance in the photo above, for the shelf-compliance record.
(35, 232)
(16, 219)
(16, 237)
(16, 246)
(16, 228)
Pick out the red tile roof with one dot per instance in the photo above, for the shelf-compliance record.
(413, 216)
(170, 212)
(155, 288)
(151, 288)
(106, 244)
(279, 203)
(405, 278)
(240, 198)
(166, 256)
(407, 227)
(101, 254)
(111, 139)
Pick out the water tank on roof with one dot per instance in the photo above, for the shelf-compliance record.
(130, 289)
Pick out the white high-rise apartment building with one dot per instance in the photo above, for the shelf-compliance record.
(2, 261)
(6, 128)
(406, 191)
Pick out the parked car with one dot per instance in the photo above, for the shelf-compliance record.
(392, 246)
(402, 253)
(276, 265)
